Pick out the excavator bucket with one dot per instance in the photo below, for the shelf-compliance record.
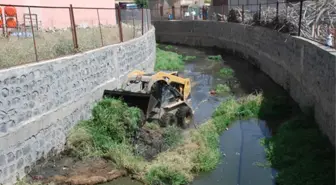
(132, 99)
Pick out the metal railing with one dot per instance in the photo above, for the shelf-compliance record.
(45, 32)
(314, 20)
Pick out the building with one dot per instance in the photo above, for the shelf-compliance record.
(59, 17)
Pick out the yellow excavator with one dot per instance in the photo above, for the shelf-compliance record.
(161, 96)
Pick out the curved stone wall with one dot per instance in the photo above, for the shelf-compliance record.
(40, 102)
(305, 69)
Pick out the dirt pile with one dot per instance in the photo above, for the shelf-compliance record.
(66, 170)
(150, 142)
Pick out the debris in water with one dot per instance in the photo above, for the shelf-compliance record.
(226, 128)
(237, 153)
(212, 92)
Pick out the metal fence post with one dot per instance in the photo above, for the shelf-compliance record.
(277, 11)
(100, 30)
(120, 26)
(259, 16)
(73, 27)
(161, 11)
(300, 18)
(334, 34)
(32, 30)
(243, 14)
(142, 21)
(173, 11)
(147, 15)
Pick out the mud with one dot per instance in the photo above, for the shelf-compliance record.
(64, 169)
(67, 170)
(150, 142)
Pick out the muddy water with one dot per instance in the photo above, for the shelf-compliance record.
(240, 145)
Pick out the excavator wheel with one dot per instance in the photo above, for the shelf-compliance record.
(168, 119)
(184, 116)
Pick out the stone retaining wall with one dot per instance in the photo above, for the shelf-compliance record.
(40, 102)
(305, 69)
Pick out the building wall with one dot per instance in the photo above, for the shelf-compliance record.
(59, 18)
(304, 68)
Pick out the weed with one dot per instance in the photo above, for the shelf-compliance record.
(215, 57)
(167, 60)
(172, 136)
(222, 89)
(169, 47)
(226, 72)
(152, 126)
(207, 156)
(165, 175)
(187, 58)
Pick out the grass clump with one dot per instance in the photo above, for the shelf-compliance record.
(215, 57)
(169, 47)
(226, 72)
(187, 58)
(222, 89)
(172, 136)
(113, 123)
(301, 154)
(167, 60)
(199, 152)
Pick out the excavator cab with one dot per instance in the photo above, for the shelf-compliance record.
(162, 96)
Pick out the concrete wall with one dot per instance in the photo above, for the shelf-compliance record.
(304, 69)
(40, 102)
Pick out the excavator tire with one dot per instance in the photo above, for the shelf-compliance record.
(184, 116)
(167, 119)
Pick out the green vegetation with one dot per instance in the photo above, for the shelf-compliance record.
(168, 60)
(142, 3)
(226, 72)
(108, 134)
(215, 57)
(113, 123)
(169, 47)
(301, 154)
(172, 136)
(187, 58)
(297, 150)
(222, 89)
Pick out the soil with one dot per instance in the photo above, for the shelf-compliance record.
(67, 170)
(64, 169)
(150, 142)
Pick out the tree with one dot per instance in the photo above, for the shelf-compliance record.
(142, 3)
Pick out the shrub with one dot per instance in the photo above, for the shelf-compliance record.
(226, 72)
(222, 89)
(167, 60)
(215, 57)
(172, 136)
(164, 175)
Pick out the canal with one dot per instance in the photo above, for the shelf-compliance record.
(243, 157)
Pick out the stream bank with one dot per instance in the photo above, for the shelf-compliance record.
(221, 93)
